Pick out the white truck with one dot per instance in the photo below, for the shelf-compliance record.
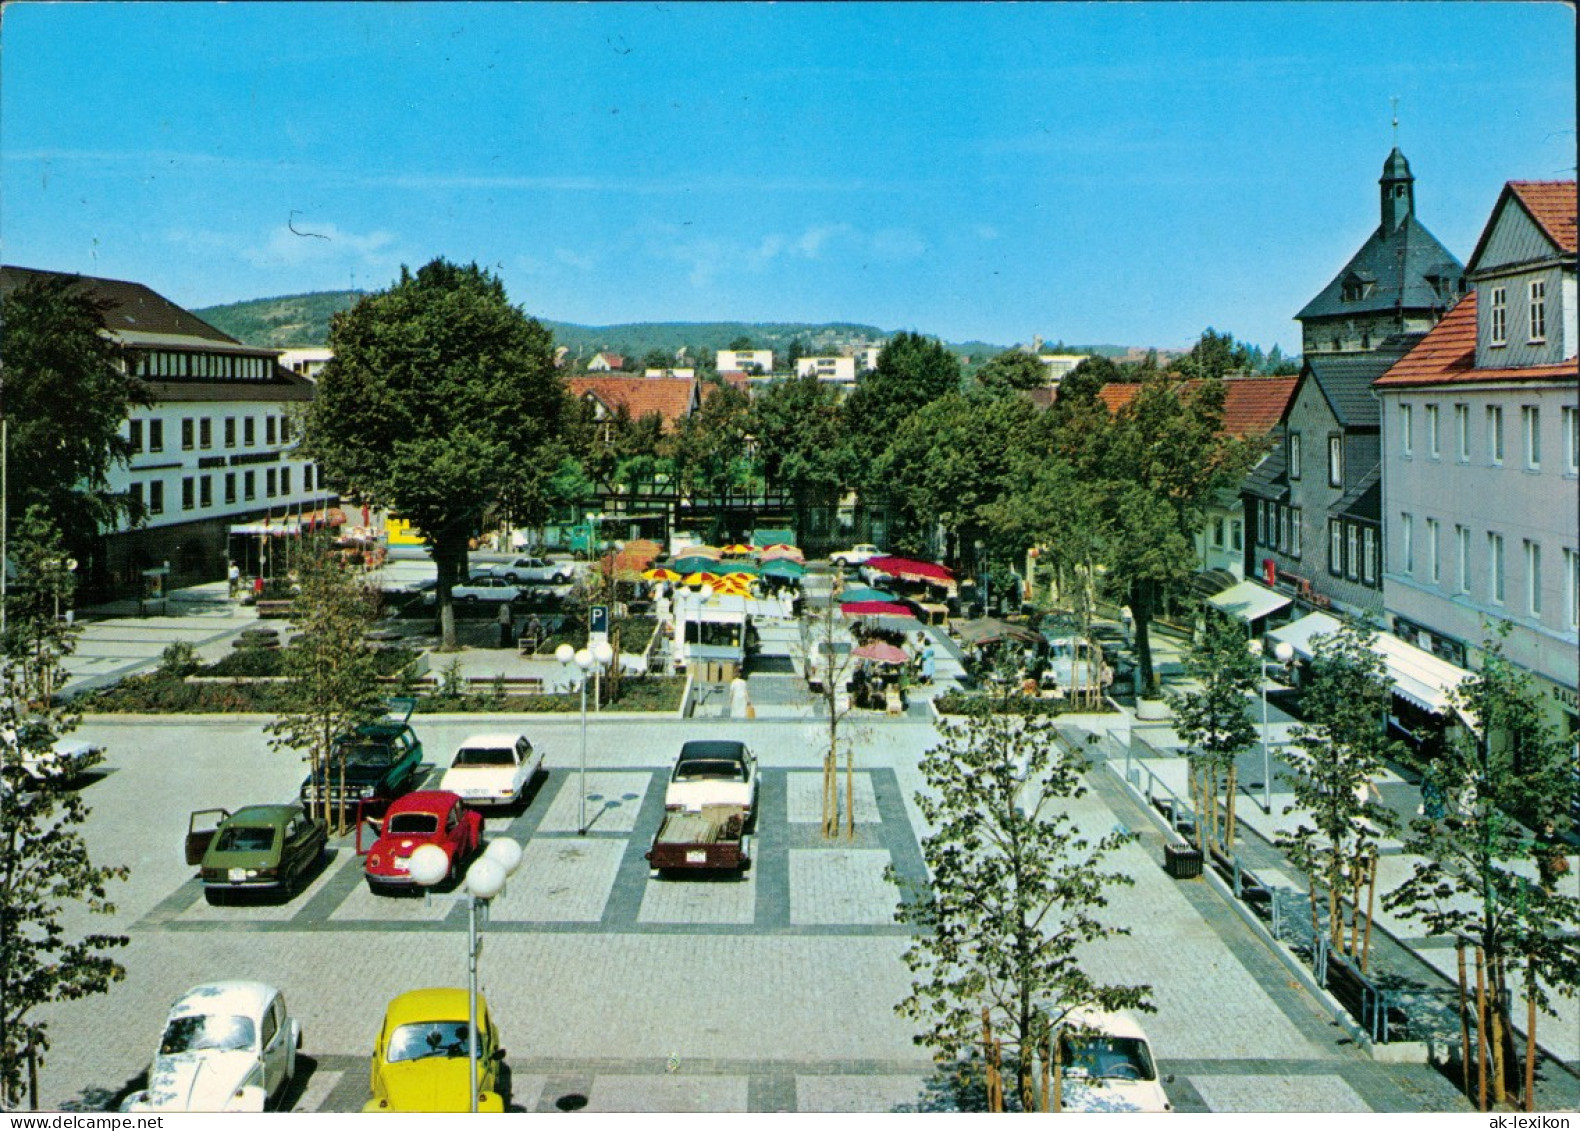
(710, 806)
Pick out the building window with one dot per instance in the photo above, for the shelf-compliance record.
(249, 485)
(156, 497)
(285, 481)
(1407, 543)
(1499, 317)
(247, 431)
(1462, 558)
(268, 430)
(1294, 455)
(156, 435)
(1431, 431)
(1407, 429)
(230, 431)
(1335, 547)
(1538, 311)
(1495, 568)
(1295, 535)
(230, 486)
(271, 480)
(1569, 419)
(134, 436)
(1533, 578)
(1369, 558)
(1434, 571)
(186, 434)
(1531, 420)
(1352, 561)
(1283, 530)
(1335, 461)
(135, 493)
(1217, 533)
(307, 486)
(187, 493)
(205, 433)
(285, 429)
(1236, 526)
(1495, 434)
(1261, 522)
(206, 491)
(1462, 431)
(1572, 589)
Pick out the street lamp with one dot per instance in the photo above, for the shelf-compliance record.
(485, 879)
(598, 653)
(1283, 652)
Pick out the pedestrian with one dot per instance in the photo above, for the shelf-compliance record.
(929, 664)
(234, 576)
(257, 589)
(507, 625)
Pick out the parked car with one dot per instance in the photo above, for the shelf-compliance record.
(66, 759)
(480, 587)
(227, 1046)
(1108, 1065)
(492, 769)
(714, 772)
(377, 763)
(857, 555)
(257, 848)
(421, 1055)
(430, 816)
(535, 571)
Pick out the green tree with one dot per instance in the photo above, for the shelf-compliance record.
(1011, 914)
(912, 372)
(331, 683)
(741, 343)
(45, 867)
(1012, 371)
(66, 394)
(1216, 355)
(441, 401)
(710, 444)
(1080, 386)
(800, 437)
(1502, 792)
(1334, 760)
(1215, 722)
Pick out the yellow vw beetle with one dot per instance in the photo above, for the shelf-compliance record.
(420, 1060)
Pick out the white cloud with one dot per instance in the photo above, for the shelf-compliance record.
(302, 241)
(582, 261)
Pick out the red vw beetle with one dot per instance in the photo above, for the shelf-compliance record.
(430, 816)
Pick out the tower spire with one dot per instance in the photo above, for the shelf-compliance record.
(1395, 101)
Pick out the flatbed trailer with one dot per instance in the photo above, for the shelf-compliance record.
(711, 839)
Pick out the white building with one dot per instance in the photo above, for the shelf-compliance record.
(216, 448)
(744, 361)
(306, 361)
(839, 370)
(1060, 365)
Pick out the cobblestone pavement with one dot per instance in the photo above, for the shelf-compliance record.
(772, 992)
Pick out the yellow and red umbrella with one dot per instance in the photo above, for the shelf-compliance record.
(703, 552)
(660, 574)
(729, 587)
(737, 549)
(701, 577)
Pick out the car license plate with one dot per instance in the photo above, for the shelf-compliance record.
(697, 856)
(238, 874)
(400, 866)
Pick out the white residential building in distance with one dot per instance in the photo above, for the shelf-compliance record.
(867, 357)
(306, 361)
(686, 374)
(839, 370)
(215, 449)
(1481, 456)
(1060, 365)
(744, 361)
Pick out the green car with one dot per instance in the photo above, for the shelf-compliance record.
(271, 848)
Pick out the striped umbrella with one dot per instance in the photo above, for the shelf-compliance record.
(785, 553)
(789, 567)
(660, 574)
(736, 549)
(703, 552)
(731, 587)
(701, 577)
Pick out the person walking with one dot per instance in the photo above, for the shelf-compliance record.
(507, 625)
(929, 664)
(233, 575)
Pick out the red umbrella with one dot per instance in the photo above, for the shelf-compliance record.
(913, 570)
(882, 653)
(873, 609)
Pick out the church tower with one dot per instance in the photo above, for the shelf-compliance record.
(1398, 191)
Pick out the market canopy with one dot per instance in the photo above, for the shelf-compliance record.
(1418, 677)
(1249, 601)
(873, 609)
(781, 551)
(862, 593)
(911, 570)
(882, 653)
(783, 567)
(691, 563)
(766, 537)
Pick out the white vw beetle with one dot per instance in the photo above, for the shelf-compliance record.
(1108, 1065)
(228, 1046)
(492, 769)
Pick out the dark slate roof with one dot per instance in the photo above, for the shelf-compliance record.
(1346, 378)
(1364, 500)
(1400, 267)
(128, 306)
(1269, 479)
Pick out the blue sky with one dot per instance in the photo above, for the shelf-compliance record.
(1100, 173)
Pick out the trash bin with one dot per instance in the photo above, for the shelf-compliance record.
(1182, 861)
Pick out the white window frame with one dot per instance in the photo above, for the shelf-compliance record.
(1336, 460)
(1295, 534)
(1294, 455)
(1531, 429)
(1434, 563)
(1407, 543)
(1498, 317)
(1335, 547)
(1462, 431)
(1495, 580)
(1368, 555)
(1533, 578)
(1432, 447)
(1462, 550)
(1572, 589)
(1407, 430)
(1352, 565)
(1537, 315)
(1495, 434)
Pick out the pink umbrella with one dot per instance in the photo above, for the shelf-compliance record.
(881, 652)
(873, 609)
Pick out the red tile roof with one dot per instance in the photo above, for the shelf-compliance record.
(1117, 394)
(1552, 205)
(1447, 355)
(671, 397)
(737, 377)
(1252, 406)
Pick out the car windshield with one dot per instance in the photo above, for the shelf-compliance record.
(367, 754)
(197, 1032)
(489, 756)
(1111, 1058)
(428, 1038)
(244, 838)
(710, 769)
(422, 823)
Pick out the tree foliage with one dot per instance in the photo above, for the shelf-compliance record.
(710, 445)
(912, 372)
(66, 394)
(1016, 888)
(441, 401)
(800, 436)
(1214, 720)
(44, 866)
(1012, 371)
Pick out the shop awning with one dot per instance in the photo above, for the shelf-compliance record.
(1299, 634)
(1418, 677)
(1249, 601)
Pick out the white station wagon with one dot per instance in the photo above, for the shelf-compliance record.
(227, 1046)
(492, 769)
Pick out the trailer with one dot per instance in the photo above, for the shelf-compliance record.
(710, 839)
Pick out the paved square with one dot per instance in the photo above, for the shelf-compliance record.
(613, 801)
(668, 1093)
(861, 1093)
(691, 900)
(804, 794)
(840, 885)
(561, 880)
(1278, 1093)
